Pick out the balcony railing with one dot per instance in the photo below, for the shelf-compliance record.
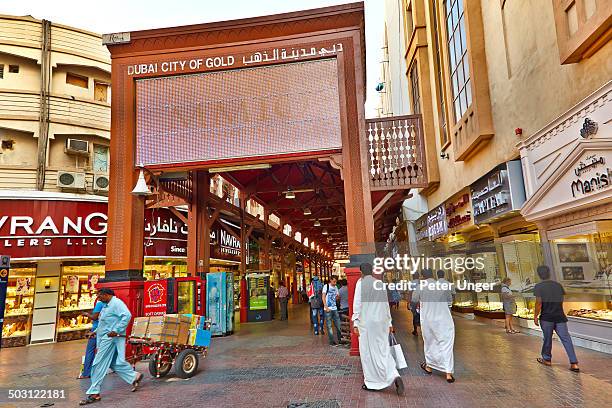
(396, 153)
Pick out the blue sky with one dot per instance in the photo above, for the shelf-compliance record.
(103, 17)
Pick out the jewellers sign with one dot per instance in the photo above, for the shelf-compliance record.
(499, 192)
(40, 229)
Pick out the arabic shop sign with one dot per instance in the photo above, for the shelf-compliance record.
(436, 223)
(420, 226)
(591, 176)
(499, 192)
(458, 211)
(276, 55)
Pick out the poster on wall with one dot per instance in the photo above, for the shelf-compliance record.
(258, 293)
(23, 286)
(72, 284)
(155, 297)
(92, 281)
(573, 253)
(572, 272)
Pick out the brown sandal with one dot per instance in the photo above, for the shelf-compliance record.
(90, 400)
(543, 362)
(424, 367)
(136, 382)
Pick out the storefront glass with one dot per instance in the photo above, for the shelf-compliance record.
(19, 305)
(163, 269)
(77, 296)
(488, 303)
(522, 256)
(584, 267)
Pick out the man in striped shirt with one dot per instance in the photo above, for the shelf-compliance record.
(283, 299)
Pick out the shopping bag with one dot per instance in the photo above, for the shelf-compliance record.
(398, 354)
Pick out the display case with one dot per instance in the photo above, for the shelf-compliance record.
(584, 267)
(76, 298)
(487, 304)
(163, 269)
(236, 292)
(19, 305)
(463, 302)
(522, 256)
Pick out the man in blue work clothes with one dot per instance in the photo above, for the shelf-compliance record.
(110, 333)
(90, 351)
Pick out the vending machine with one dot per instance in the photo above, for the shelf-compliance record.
(174, 295)
(220, 302)
(258, 307)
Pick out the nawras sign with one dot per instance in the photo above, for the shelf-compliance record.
(46, 228)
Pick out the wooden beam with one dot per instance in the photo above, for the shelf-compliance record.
(179, 215)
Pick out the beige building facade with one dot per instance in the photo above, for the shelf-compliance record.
(499, 84)
(54, 87)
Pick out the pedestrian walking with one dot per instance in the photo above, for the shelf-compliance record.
(316, 304)
(110, 333)
(272, 300)
(330, 296)
(549, 315)
(344, 298)
(90, 350)
(438, 328)
(283, 300)
(509, 304)
(414, 306)
(372, 323)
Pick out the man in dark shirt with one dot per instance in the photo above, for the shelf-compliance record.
(550, 317)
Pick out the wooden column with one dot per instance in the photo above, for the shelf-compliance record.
(198, 238)
(124, 242)
(244, 239)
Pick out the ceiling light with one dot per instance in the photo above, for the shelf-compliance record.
(324, 232)
(307, 211)
(141, 188)
(317, 223)
(289, 194)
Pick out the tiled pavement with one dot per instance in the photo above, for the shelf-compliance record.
(281, 364)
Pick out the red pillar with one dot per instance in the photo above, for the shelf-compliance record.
(352, 276)
(243, 300)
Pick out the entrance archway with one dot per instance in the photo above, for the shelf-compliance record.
(275, 104)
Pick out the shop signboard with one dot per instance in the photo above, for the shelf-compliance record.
(420, 226)
(67, 228)
(155, 297)
(498, 192)
(5, 264)
(436, 223)
(459, 211)
(225, 245)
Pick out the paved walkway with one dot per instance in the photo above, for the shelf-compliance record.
(280, 363)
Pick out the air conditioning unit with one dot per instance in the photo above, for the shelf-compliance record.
(70, 179)
(76, 146)
(100, 182)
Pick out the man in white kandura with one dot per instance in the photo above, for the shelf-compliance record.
(372, 323)
(437, 326)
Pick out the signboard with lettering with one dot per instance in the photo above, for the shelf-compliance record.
(498, 192)
(436, 223)
(155, 297)
(459, 211)
(592, 175)
(48, 228)
(420, 226)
